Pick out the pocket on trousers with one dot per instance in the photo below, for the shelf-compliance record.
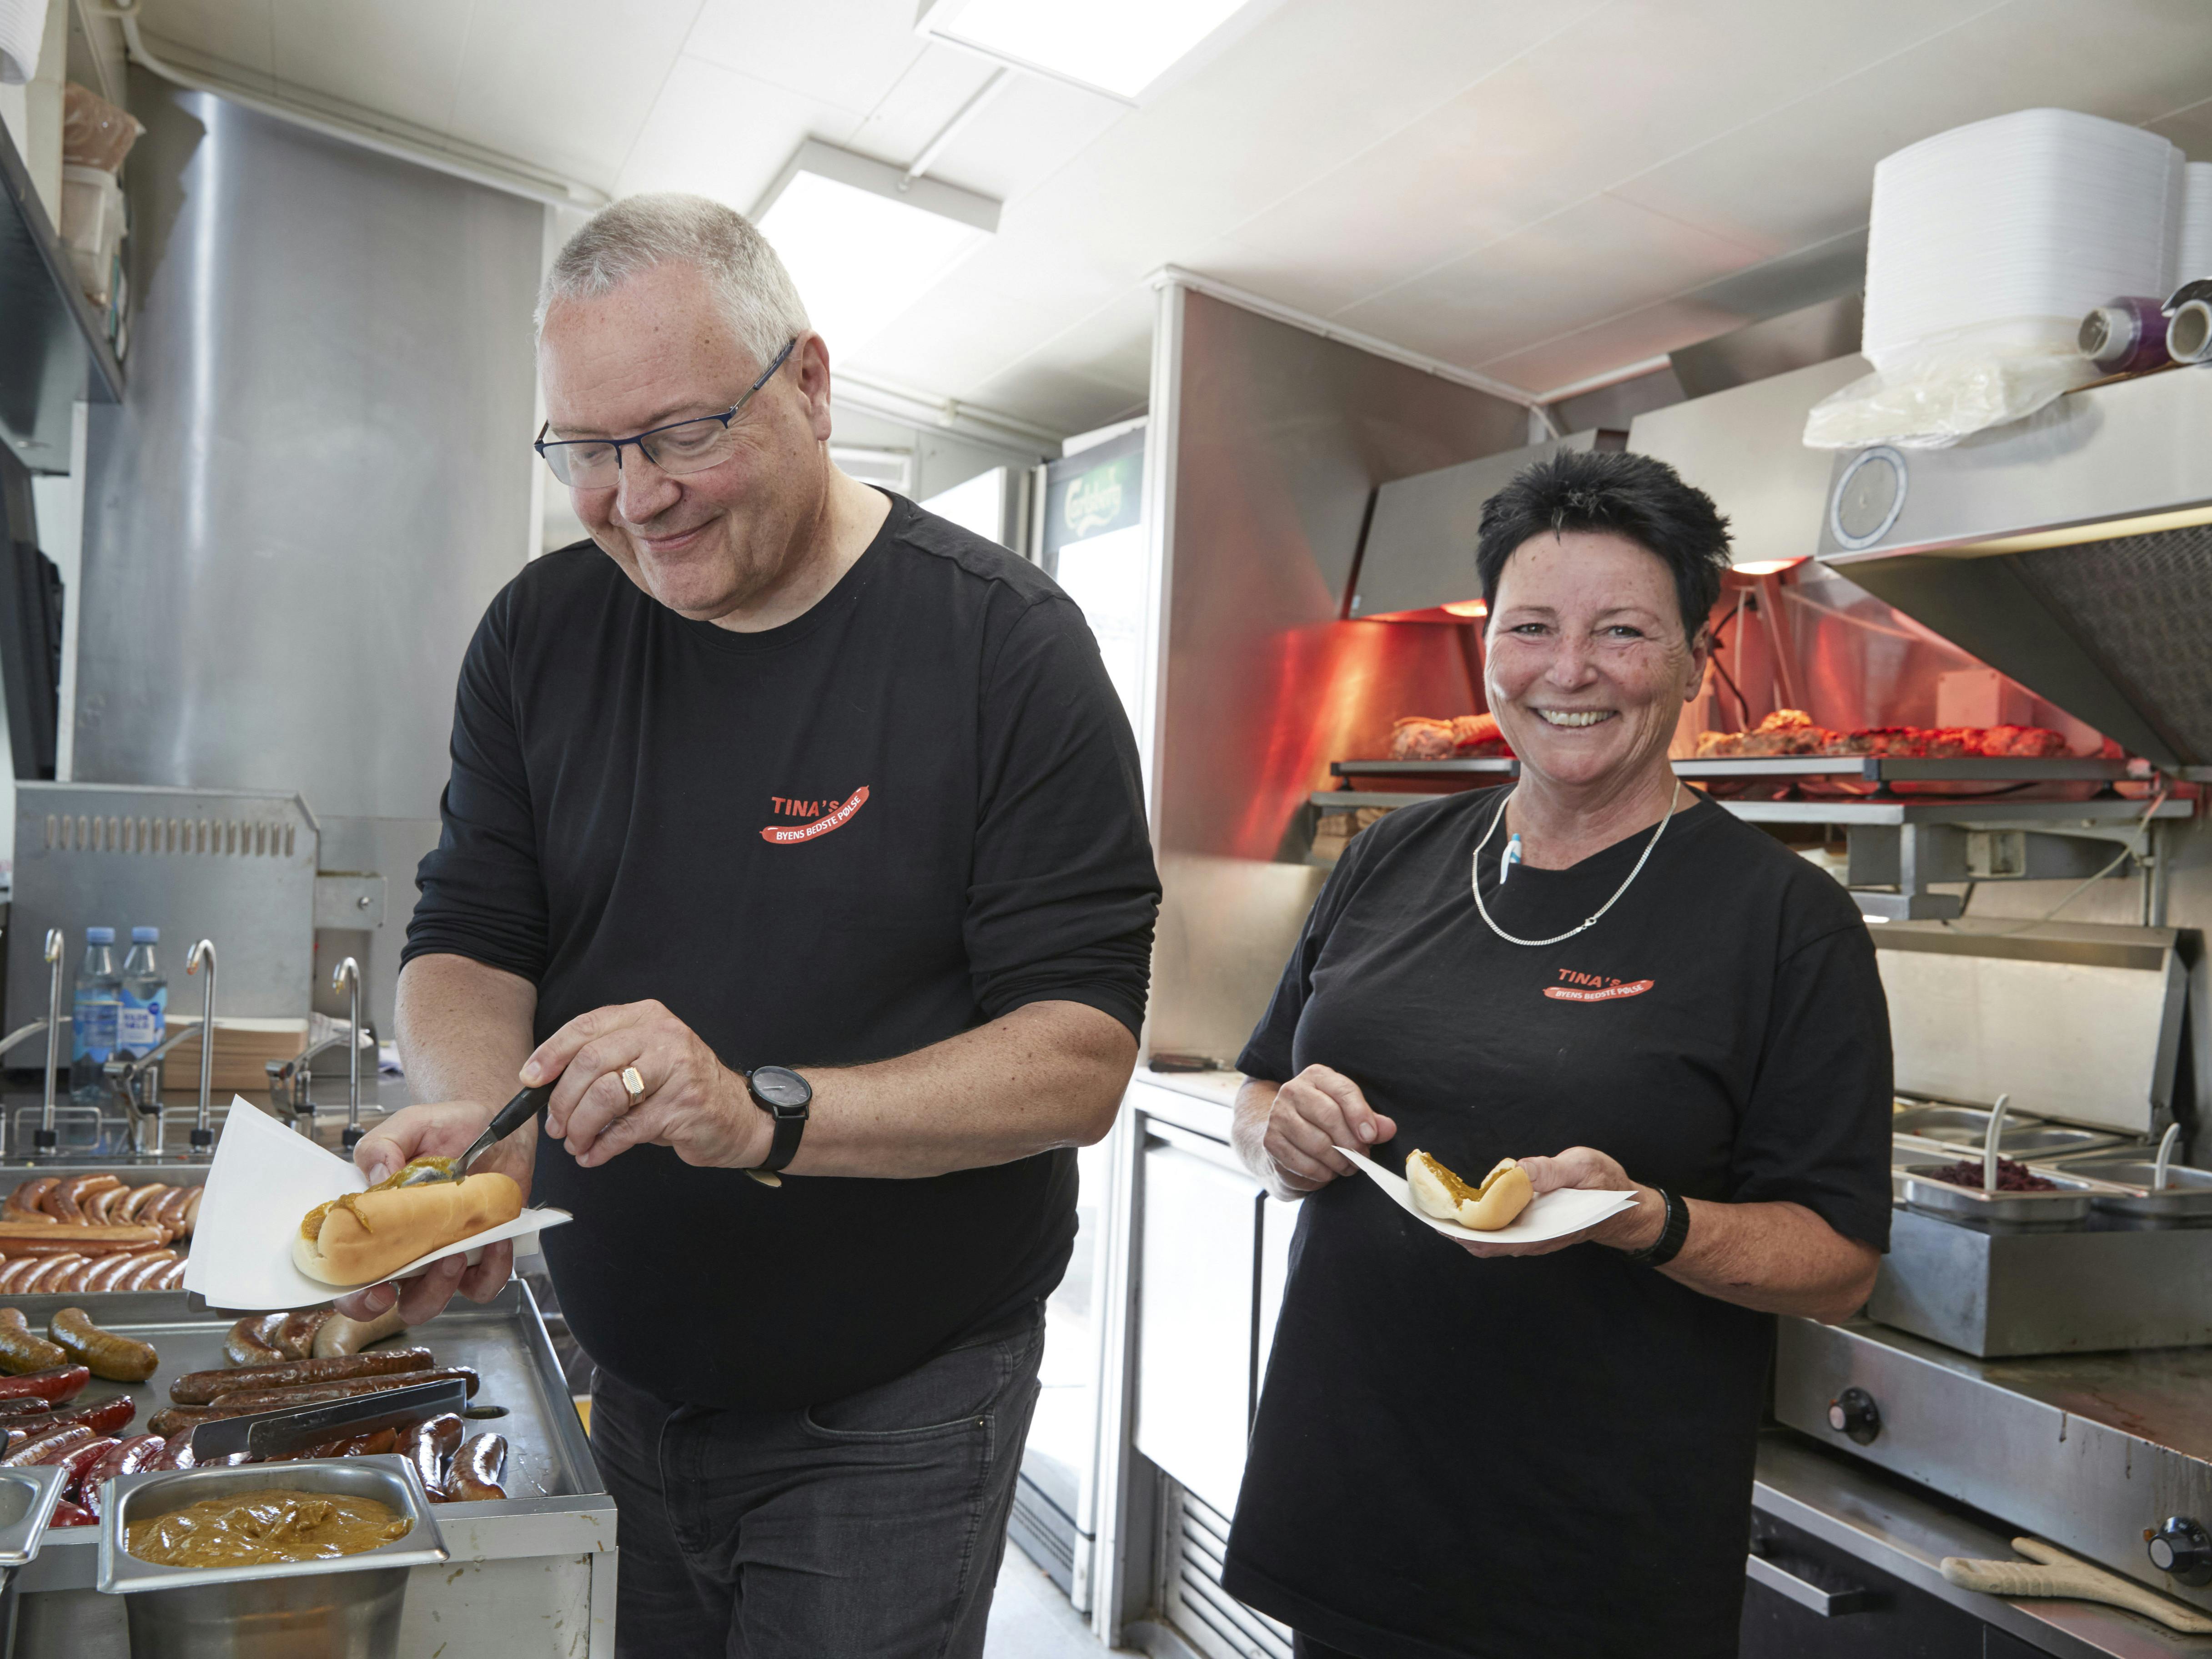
(955, 1393)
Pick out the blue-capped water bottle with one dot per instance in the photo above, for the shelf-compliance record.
(94, 1017)
(145, 1017)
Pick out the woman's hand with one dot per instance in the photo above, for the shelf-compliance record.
(1288, 1133)
(1634, 1229)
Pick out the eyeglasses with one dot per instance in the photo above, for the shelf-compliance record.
(679, 448)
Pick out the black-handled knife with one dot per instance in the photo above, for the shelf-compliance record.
(504, 1122)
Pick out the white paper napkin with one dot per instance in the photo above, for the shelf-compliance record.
(264, 1180)
(1549, 1215)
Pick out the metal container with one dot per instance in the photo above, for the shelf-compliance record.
(2186, 1201)
(27, 1498)
(2066, 1205)
(345, 1607)
(1940, 1128)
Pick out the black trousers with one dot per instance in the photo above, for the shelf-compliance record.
(870, 1526)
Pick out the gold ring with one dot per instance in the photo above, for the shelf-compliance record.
(635, 1083)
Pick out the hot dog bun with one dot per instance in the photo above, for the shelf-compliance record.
(370, 1236)
(1504, 1193)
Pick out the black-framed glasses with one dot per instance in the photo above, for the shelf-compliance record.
(679, 448)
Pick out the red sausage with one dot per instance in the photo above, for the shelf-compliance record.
(55, 1386)
(128, 1456)
(71, 1515)
(47, 1447)
(78, 1462)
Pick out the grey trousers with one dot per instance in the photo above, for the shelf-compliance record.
(872, 1525)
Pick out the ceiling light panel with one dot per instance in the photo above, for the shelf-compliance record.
(1119, 47)
(862, 242)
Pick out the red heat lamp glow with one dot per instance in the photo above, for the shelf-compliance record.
(1459, 611)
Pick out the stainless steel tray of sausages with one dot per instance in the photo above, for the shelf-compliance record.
(84, 1229)
(543, 1553)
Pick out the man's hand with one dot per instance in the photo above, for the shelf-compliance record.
(692, 1103)
(1633, 1229)
(1289, 1141)
(441, 1131)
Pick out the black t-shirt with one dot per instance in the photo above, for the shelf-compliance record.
(1548, 1455)
(907, 813)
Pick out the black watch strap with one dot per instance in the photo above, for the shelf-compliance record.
(787, 1098)
(1672, 1233)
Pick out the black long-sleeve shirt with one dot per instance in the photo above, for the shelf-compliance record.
(907, 813)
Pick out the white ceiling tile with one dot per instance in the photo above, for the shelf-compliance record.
(1020, 139)
(1602, 347)
(237, 33)
(2191, 129)
(846, 52)
(1596, 258)
(567, 83)
(399, 58)
(722, 134)
(1806, 172)
(914, 109)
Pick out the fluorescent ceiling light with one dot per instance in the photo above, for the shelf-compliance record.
(1115, 47)
(862, 241)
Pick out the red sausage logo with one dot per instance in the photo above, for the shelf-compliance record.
(781, 834)
(1594, 988)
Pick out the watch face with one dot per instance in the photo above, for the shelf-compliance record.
(780, 1087)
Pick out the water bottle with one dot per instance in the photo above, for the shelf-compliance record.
(93, 1016)
(145, 1015)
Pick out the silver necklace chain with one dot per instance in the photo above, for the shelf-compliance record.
(1499, 818)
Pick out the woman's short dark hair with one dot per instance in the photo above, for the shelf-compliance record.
(1635, 496)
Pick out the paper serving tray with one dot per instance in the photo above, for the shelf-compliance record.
(264, 1180)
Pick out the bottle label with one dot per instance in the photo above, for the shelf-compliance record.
(140, 1027)
(92, 1028)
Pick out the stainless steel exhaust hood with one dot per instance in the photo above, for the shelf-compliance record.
(2072, 551)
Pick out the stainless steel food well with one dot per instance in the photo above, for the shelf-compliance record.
(27, 1498)
(1938, 1128)
(2067, 1205)
(2186, 1201)
(345, 1607)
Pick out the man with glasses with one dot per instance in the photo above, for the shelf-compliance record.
(795, 838)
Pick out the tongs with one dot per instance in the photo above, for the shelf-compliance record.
(424, 1172)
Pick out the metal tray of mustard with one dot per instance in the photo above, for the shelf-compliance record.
(541, 1560)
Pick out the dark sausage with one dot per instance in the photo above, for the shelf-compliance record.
(72, 1515)
(269, 1400)
(45, 1447)
(179, 1421)
(78, 1462)
(248, 1343)
(429, 1445)
(295, 1337)
(375, 1444)
(199, 1387)
(141, 1451)
(118, 1358)
(56, 1386)
(478, 1469)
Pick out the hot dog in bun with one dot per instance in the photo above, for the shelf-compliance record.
(366, 1237)
(1504, 1193)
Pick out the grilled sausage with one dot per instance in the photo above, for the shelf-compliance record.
(479, 1468)
(140, 1452)
(341, 1335)
(135, 1200)
(60, 1202)
(82, 1190)
(246, 1402)
(248, 1343)
(67, 1513)
(118, 1358)
(171, 1277)
(191, 1211)
(202, 1387)
(295, 1337)
(428, 1446)
(80, 1461)
(172, 1203)
(56, 1385)
(24, 1200)
(21, 1353)
(44, 1447)
(11, 1270)
(16, 1230)
(106, 1272)
(47, 1272)
(142, 1278)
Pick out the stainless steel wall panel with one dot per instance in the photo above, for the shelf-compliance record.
(320, 474)
(1278, 438)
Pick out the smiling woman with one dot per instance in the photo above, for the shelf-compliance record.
(1654, 998)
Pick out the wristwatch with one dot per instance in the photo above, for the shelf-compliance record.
(1665, 1247)
(785, 1096)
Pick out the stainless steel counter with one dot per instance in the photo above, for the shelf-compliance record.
(532, 1574)
(1906, 1533)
